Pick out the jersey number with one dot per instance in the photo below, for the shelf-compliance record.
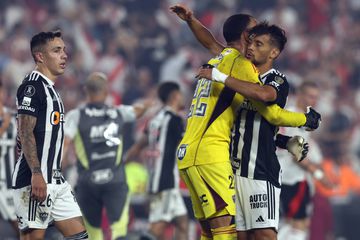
(231, 185)
(199, 104)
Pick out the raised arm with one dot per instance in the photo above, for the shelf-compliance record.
(202, 34)
(28, 144)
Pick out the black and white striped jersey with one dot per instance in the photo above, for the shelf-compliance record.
(36, 96)
(7, 150)
(164, 133)
(253, 137)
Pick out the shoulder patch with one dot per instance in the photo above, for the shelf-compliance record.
(29, 90)
(279, 79)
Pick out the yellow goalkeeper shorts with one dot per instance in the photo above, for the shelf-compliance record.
(211, 188)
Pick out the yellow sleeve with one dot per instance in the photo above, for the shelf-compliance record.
(278, 116)
(244, 70)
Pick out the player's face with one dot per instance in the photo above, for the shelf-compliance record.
(310, 96)
(54, 56)
(179, 99)
(260, 50)
(251, 24)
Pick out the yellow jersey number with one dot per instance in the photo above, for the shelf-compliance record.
(199, 102)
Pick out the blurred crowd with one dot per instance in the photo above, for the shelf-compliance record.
(141, 43)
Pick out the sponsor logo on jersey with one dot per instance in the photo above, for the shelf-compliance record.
(204, 200)
(26, 108)
(56, 118)
(29, 90)
(247, 105)
(258, 201)
(26, 101)
(181, 151)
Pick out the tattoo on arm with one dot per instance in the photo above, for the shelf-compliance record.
(26, 127)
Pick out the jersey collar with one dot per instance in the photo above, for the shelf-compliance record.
(45, 77)
(262, 76)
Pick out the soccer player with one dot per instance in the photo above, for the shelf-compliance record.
(7, 161)
(296, 194)
(203, 154)
(41, 193)
(96, 131)
(162, 136)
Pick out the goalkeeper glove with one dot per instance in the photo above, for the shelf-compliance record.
(297, 146)
(313, 119)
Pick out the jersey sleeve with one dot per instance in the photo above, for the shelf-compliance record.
(71, 123)
(30, 97)
(281, 86)
(127, 112)
(279, 116)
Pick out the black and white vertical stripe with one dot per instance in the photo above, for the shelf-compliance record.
(164, 134)
(271, 201)
(7, 151)
(49, 136)
(253, 137)
(33, 204)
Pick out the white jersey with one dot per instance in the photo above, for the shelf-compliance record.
(291, 171)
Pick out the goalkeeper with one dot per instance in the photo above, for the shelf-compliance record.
(257, 179)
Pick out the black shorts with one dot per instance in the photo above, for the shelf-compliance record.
(295, 200)
(92, 198)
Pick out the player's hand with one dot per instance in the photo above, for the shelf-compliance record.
(210, 72)
(235, 164)
(182, 11)
(313, 119)
(38, 187)
(297, 146)
(204, 73)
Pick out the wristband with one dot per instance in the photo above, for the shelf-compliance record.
(218, 76)
(318, 174)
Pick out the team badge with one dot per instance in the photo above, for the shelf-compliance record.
(43, 216)
(29, 90)
(181, 151)
(279, 80)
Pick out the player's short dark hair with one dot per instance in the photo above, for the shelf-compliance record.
(277, 34)
(234, 26)
(40, 39)
(165, 89)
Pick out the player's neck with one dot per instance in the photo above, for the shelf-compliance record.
(46, 72)
(238, 46)
(173, 106)
(263, 68)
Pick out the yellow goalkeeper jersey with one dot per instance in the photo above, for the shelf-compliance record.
(213, 109)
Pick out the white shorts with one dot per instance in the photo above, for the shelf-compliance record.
(7, 205)
(166, 205)
(257, 204)
(60, 204)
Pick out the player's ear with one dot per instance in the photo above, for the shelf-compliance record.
(39, 57)
(274, 53)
